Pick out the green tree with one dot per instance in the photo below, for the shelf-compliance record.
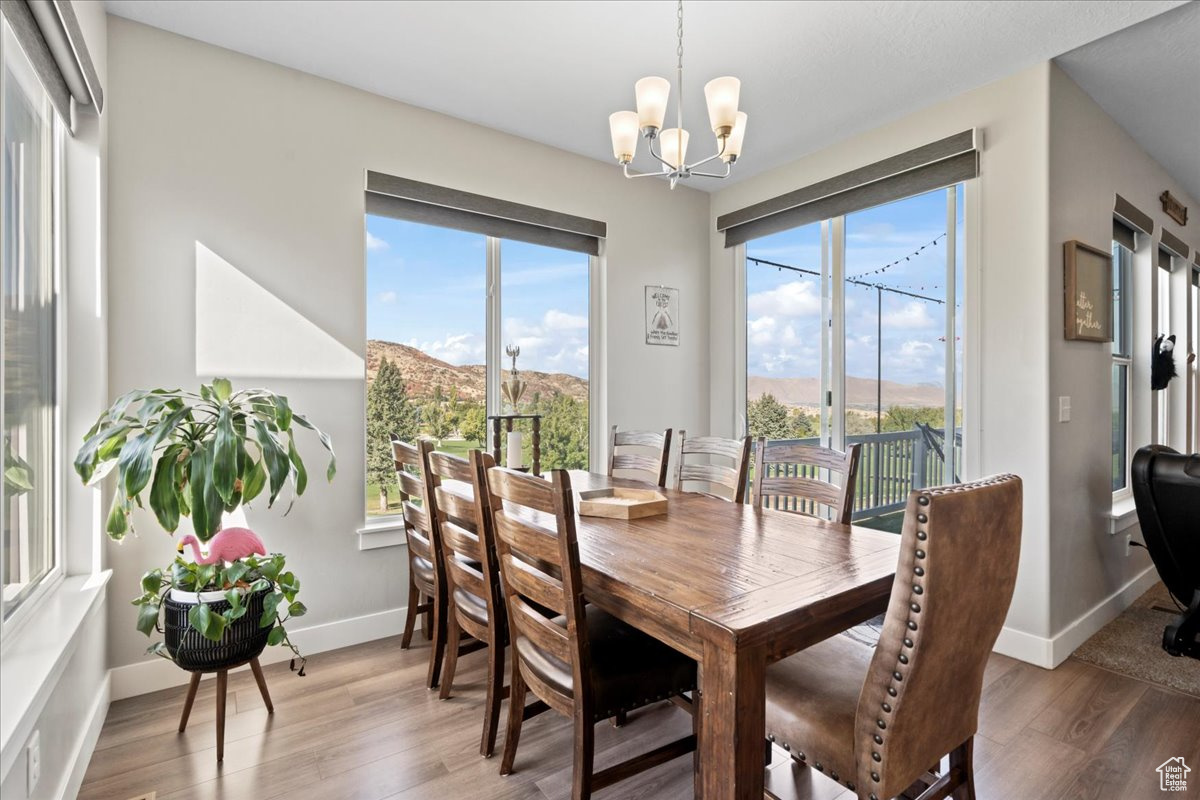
(436, 419)
(768, 417)
(905, 418)
(564, 432)
(803, 426)
(472, 424)
(389, 412)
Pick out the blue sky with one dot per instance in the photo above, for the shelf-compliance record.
(783, 308)
(426, 288)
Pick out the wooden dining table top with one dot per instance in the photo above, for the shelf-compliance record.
(713, 568)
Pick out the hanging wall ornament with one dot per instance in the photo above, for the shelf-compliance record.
(1162, 364)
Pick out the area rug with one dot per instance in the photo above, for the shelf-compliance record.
(1132, 645)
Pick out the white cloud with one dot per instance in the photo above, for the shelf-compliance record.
(387, 297)
(792, 299)
(913, 315)
(915, 349)
(458, 349)
(376, 244)
(556, 320)
(558, 343)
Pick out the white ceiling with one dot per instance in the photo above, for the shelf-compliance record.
(1147, 78)
(812, 73)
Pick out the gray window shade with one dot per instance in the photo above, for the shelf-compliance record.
(401, 198)
(932, 166)
(1133, 216)
(1124, 235)
(1164, 259)
(1177, 246)
(49, 33)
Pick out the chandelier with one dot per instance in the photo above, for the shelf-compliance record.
(728, 124)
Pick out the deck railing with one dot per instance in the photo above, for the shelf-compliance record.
(890, 466)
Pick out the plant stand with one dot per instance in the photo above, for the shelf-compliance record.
(222, 686)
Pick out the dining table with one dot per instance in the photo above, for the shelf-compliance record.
(735, 587)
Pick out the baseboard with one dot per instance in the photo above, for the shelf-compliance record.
(86, 745)
(158, 673)
(1050, 652)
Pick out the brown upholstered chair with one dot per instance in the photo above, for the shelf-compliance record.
(876, 720)
(787, 477)
(719, 480)
(426, 568)
(652, 468)
(472, 577)
(583, 663)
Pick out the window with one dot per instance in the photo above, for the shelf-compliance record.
(28, 166)
(439, 342)
(1191, 366)
(1122, 364)
(1162, 326)
(853, 336)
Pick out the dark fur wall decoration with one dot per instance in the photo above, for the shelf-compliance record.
(1162, 362)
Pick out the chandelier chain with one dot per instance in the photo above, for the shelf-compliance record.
(679, 34)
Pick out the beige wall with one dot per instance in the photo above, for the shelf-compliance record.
(1091, 160)
(264, 166)
(1006, 299)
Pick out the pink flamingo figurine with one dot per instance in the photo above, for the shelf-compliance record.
(229, 545)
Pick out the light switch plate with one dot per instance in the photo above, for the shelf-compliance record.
(33, 763)
(1064, 409)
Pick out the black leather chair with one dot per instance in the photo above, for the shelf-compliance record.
(1166, 489)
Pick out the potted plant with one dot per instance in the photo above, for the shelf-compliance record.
(203, 456)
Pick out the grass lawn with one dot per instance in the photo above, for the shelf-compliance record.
(455, 447)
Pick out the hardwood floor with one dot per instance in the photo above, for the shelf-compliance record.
(362, 726)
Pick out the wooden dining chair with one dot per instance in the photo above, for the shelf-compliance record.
(426, 566)
(787, 476)
(653, 467)
(875, 720)
(722, 481)
(583, 663)
(472, 577)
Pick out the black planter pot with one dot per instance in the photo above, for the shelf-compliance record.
(243, 638)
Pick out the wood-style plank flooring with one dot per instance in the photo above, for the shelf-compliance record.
(362, 726)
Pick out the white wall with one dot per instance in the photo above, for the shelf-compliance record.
(264, 166)
(1091, 160)
(1007, 264)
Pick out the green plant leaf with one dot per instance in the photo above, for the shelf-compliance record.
(274, 457)
(283, 412)
(270, 609)
(225, 450)
(237, 570)
(158, 649)
(298, 463)
(200, 617)
(85, 459)
(326, 442)
(297, 609)
(152, 581)
(254, 478)
(147, 618)
(276, 635)
(222, 388)
(137, 456)
(164, 493)
(216, 627)
(117, 524)
(206, 503)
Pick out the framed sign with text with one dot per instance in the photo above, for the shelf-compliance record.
(662, 315)
(1087, 280)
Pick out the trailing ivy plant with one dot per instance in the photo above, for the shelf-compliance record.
(238, 580)
(197, 455)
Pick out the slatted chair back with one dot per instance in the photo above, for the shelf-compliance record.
(787, 476)
(410, 462)
(921, 696)
(651, 467)
(469, 561)
(536, 545)
(724, 481)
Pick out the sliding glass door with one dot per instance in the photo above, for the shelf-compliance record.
(853, 336)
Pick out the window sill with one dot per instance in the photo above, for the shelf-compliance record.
(36, 655)
(1122, 516)
(385, 532)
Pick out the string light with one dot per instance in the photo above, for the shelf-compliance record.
(898, 261)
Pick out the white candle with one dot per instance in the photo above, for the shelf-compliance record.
(514, 450)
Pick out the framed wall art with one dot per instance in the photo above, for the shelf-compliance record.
(1087, 283)
(662, 315)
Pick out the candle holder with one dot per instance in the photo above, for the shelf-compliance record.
(506, 421)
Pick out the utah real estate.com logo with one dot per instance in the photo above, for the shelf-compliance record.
(1172, 775)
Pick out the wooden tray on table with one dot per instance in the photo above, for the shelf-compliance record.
(622, 503)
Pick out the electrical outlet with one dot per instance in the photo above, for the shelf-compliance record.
(1064, 409)
(33, 763)
(1128, 544)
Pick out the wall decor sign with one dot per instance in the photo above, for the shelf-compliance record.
(1173, 208)
(662, 315)
(1087, 281)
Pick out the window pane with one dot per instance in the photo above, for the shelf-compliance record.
(544, 305)
(426, 318)
(28, 333)
(1120, 422)
(783, 335)
(896, 365)
(1121, 265)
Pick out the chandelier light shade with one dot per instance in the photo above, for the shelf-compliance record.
(651, 94)
(721, 95)
(623, 126)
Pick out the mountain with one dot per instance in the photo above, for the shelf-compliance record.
(860, 392)
(422, 372)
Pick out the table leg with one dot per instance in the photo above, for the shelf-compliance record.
(734, 707)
